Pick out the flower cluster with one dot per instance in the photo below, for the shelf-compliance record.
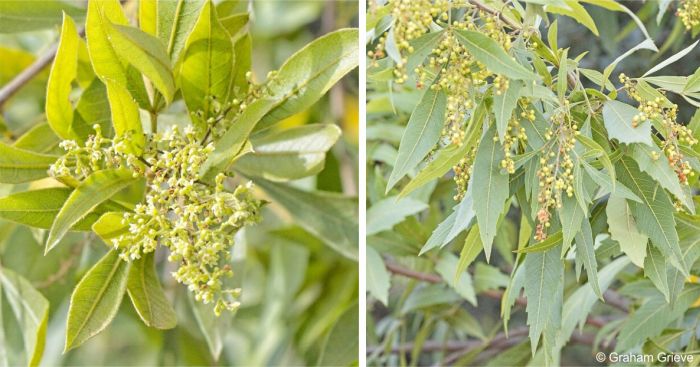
(556, 169)
(97, 153)
(515, 136)
(689, 12)
(674, 133)
(195, 221)
(412, 19)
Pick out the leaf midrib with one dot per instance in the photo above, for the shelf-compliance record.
(100, 295)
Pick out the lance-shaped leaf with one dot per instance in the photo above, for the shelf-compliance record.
(503, 106)
(96, 189)
(38, 208)
(229, 146)
(654, 215)
(96, 299)
(661, 171)
(110, 225)
(580, 303)
(145, 53)
(125, 118)
(105, 60)
(19, 165)
(289, 154)
(378, 278)
(175, 20)
(207, 67)
(655, 270)
(40, 139)
(490, 188)
(618, 117)
(59, 109)
(544, 275)
(585, 253)
(490, 53)
(385, 214)
(421, 134)
(341, 346)
(19, 16)
(31, 310)
(653, 317)
(308, 74)
(147, 294)
(329, 216)
(242, 51)
(623, 229)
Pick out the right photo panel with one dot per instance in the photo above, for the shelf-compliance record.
(532, 182)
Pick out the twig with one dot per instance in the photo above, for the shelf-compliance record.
(611, 297)
(63, 268)
(512, 24)
(19, 81)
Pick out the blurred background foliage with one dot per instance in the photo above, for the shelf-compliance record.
(299, 296)
(427, 323)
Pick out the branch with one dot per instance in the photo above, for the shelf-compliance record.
(610, 297)
(19, 81)
(570, 77)
(511, 23)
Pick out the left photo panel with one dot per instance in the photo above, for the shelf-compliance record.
(178, 182)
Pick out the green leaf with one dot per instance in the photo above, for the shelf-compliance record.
(31, 310)
(341, 346)
(544, 274)
(110, 225)
(38, 208)
(96, 189)
(470, 250)
(488, 52)
(329, 216)
(147, 294)
(585, 251)
(105, 60)
(229, 146)
(490, 186)
(378, 279)
(19, 165)
(443, 161)
(461, 282)
(577, 12)
(242, 52)
(211, 326)
(290, 154)
(40, 138)
(623, 229)
(383, 215)
(654, 215)
(655, 270)
(19, 16)
(207, 67)
(548, 243)
(618, 116)
(675, 57)
(503, 106)
(308, 74)
(653, 317)
(580, 303)
(93, 108)
(175, 21)
(96, 299)
(126, 118)
(661, 171)
(421, 134)
(146, 53)
(459, 220)
(59, 109)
